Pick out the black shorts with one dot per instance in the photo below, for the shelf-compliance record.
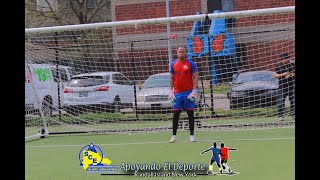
(224, 161)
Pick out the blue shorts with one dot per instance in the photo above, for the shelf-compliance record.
(216, 159)
(182, 101)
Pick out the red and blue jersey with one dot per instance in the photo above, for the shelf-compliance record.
(182, 75)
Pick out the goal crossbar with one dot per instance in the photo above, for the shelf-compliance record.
(177, 19)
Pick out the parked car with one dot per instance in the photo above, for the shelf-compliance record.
(98, 92)
(45, 82)
(253, 89)
(152, 97)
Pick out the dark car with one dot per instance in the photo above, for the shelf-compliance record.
(253, 89)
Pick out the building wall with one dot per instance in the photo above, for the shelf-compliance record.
(265, 55)
(262, 51)
(145, 9)
(241, 5)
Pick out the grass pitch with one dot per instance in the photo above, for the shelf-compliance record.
(262, 154)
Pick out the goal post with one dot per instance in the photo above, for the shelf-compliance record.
(113, 77)
(35, 126)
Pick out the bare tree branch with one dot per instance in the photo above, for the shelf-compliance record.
(85, 13)
(74, 8)
(55, 16)
(66, 13)
(102, 3)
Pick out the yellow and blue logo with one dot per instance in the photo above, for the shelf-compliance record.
(92, 159)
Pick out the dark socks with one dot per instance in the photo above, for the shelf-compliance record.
(191, 121)
(175, 121)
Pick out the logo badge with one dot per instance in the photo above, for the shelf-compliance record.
(92, 159)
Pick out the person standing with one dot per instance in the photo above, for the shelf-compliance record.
(183, 90)
(285, 72)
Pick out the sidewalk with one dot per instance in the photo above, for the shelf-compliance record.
(216, 96)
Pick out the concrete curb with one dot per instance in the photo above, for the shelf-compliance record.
(216, 96)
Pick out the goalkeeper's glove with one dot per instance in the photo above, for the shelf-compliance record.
(172, 98)
(193, 95)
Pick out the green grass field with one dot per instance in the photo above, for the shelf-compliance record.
(262, 154)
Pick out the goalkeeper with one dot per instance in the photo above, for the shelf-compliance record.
(183, 85)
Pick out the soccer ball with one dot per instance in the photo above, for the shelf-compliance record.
(209, 172)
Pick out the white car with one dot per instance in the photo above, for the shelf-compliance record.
(43, 83)
(153, 95)
(98, 92)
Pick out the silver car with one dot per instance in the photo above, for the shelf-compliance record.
(153, 95)
(98, 91)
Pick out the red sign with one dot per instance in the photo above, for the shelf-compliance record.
(173, 36)
(197, 45)
(217, 45)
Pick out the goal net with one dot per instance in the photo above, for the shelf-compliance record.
(114, 77)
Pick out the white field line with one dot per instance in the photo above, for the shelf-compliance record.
(161, 142)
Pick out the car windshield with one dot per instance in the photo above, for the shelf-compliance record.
(72, 71)
(157, 81)
(85, 81)
(255, 76)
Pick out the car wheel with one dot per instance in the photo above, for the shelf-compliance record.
(116, 106)
(71, 110)
(233, 106)
(96, 109)
(140, 111)
(47, 106)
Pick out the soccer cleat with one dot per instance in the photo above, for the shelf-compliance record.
(173, 139)
(192, 138)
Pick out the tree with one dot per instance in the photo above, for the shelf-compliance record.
(66, 12)
(44, 13)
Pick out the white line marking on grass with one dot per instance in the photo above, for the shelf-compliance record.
(164, 142)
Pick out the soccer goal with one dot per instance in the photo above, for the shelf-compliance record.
(113, 77)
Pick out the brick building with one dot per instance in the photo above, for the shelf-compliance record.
(149, 44)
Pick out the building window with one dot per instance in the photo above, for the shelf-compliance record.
(91, 4)
(227, 5)
(224, 6)
(214, 5)
(43, 6)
